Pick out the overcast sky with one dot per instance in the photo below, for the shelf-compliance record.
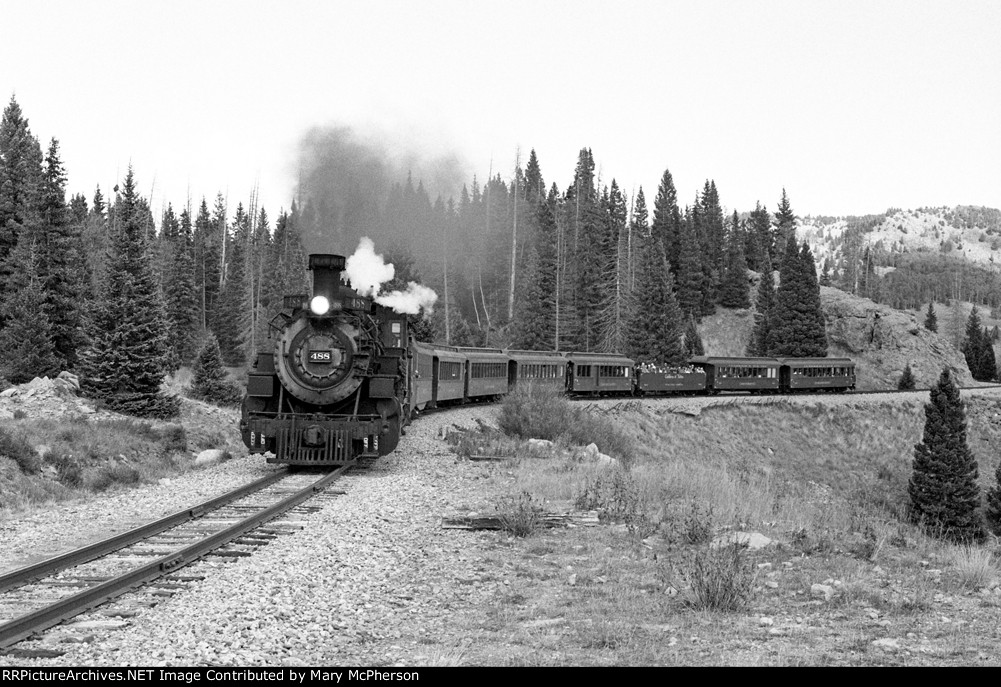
(853, 107)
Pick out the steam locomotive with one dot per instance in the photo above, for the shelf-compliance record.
(344, 377)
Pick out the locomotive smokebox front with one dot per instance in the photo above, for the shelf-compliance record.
(317, 356)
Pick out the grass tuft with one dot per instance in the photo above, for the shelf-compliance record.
(520, 515)
(722, 578)
(974, 567)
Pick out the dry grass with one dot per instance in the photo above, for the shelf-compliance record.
(974, 567)
(69, 456)
(827, 484)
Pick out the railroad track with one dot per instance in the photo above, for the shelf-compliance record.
(41, 596)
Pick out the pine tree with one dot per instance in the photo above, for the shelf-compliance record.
(943, 489)
(906, 382)
(26, 348)
(693, 342)
(655, 322)
(734, 290)
(127, 358)
(758, 343)
(931, 321)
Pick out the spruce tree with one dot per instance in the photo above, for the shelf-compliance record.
(693, 342)
(906, 382)
(209, 381)
(690, 276)
(797, 327)
(666, 225)
(59, 262)
(943, 489)
(993, 511)
(26, 348)
(973, 345)
(931, 321)
(785, 226)
(986, 361)
(655, 325)
(181, 295)
(758, 343)
(127, 358)
(734, 290)
(20, 181)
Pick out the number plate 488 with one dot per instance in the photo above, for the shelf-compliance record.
(320, 356)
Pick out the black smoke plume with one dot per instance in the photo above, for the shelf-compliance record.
(345, 181)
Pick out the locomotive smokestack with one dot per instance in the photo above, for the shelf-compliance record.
(326, 270)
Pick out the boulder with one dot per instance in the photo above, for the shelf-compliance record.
(212, 456)
(70, 377)
(8, 393)
(591, 451)
(752, 540)
(822, 590)
(540, 443)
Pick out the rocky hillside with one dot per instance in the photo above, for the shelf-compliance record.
(882, 340)
(964, 231)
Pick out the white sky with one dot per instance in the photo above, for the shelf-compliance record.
(853, 107)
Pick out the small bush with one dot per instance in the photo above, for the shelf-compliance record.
(541, 412)
(69, 471)
(722, 579)
(520, 515)
(16, 447)
(697, 527)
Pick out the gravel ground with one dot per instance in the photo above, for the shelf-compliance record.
(362, 583)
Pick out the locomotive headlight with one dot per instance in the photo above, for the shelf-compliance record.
(319, 305)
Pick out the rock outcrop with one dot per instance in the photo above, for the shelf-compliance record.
(883, 341)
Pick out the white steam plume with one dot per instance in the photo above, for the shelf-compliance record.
(366, 271)
(411, 301)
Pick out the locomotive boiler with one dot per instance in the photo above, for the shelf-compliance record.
(334, 386)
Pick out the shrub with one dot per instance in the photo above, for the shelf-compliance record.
(16, 447)
(906, 382)
(722, 579)
(541, 412)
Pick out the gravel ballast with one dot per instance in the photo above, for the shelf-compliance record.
(366, 578)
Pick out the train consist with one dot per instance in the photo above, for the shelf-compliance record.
(345, 377)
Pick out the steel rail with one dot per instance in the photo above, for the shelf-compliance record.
(21, 628)
(87, 553)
